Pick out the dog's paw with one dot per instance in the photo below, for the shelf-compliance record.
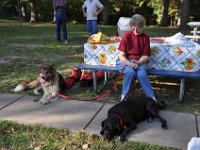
(164, 125)
(43, 101)
(40, 101)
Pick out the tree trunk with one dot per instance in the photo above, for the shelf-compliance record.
(184, 13)
(54, 12)
(104, 16)
(33, 5)
(20, 23)
(54, 16)
(165, 9)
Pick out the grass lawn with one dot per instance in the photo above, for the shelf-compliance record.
(24, 50)
(33, 137)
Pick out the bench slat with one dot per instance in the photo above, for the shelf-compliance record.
(164, 73)
(175, 74)
(97, 68)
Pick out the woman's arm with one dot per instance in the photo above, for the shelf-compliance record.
(143, 59)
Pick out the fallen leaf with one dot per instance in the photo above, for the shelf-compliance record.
(37, 148)
(85, 146)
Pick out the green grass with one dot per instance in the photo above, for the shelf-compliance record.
(24, 50)
(20, 137)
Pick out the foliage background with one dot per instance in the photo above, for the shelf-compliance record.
(151, 9)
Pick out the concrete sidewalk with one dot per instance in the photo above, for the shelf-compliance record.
(87, 116)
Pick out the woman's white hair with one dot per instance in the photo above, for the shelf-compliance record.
(137, 20)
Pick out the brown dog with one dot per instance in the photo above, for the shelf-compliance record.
(49, 80)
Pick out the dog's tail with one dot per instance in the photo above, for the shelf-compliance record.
(27, 86)
(162, 104)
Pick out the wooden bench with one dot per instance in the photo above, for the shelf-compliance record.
(163, 73)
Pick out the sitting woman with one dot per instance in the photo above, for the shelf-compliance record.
(134, 54)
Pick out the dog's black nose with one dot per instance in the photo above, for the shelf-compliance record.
(43, 77)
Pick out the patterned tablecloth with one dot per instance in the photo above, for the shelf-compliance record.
(171, 53)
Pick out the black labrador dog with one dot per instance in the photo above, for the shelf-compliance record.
(123, 117)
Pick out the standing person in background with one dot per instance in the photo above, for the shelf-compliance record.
(133, 57)
(61, 19)
(91, 9)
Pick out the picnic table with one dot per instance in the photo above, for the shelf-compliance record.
(173, 57)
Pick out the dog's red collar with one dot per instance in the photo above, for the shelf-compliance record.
(121, 122)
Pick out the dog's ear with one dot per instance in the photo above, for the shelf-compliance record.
(102, 132)
(102, 126)
(42, 67)
(102, 123)
(52, 69)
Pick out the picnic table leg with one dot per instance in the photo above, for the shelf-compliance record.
(195, 33)
(182, 90)
(94, 81)
(105, 77)
(105, 81)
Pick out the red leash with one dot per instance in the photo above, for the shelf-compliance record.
(65, 96)
(93, 98)
(119, 77)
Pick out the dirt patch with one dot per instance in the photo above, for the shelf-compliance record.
(7, 60)
(26, 46)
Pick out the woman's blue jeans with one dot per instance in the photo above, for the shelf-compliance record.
(91, 26)
(130, 74)
(61, 19)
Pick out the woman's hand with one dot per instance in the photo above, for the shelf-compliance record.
(123, 58)
(134, 65)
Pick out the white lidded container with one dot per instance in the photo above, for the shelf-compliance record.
(123, 25)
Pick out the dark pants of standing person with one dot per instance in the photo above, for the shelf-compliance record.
(61, 19)
(91, 26)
